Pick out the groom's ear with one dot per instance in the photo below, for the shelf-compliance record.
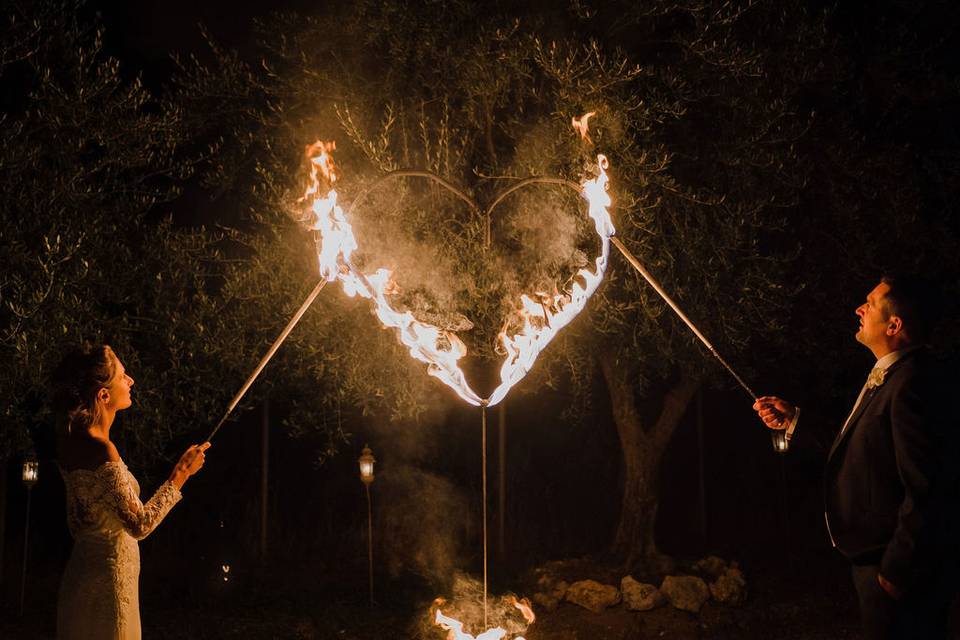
(894, 325)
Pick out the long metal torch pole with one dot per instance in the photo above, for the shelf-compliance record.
(273, 349)
(673, 305)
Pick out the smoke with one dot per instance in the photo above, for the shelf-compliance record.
(412, 235)
(434, 246)
(544, 230)
(426, 523)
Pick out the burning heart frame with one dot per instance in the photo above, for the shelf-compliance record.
(441, 349)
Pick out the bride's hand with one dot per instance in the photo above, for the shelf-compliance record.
(192, 459)
(189, 463)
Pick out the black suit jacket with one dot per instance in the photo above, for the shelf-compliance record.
(890, 483)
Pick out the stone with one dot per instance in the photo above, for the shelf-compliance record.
(546, 601)
(687, 593)
(559, 589)
(592, 595)
(712, 566)
(730, 588)
(548, 586)
(639, 596)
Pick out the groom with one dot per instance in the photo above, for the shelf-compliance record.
(890, 485)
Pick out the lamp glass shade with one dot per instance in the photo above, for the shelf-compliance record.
(780, 442)
(31, 471)
(366, 462)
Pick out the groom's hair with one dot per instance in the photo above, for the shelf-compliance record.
(916, 301)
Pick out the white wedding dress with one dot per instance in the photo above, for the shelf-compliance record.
(99, 592)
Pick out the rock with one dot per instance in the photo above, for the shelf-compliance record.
(559, 590)
(712, 566)
(548, 585)
(638, 596)
(592, 595)
(687, 593)
(730, 588)
(546, 601)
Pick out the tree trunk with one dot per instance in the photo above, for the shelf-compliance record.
(642, 450)
(3, 515)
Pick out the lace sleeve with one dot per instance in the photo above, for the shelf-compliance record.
(138, 519)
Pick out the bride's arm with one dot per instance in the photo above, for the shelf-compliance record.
(138, 518)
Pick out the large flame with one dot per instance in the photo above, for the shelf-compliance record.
(455, 628)
(439, 349)
(543, 319)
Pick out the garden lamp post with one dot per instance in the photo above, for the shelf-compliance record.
(31, 473)
(366, 462)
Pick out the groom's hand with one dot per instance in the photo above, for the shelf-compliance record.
(775, 412)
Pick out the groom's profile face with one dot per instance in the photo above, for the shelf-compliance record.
(874, 317)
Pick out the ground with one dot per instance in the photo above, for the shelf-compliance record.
(806, 596)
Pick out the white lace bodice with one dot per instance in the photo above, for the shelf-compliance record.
(107, 500)
(99, 592)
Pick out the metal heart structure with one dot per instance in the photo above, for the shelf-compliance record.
(440, 349)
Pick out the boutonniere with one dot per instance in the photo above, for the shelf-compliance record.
(876, 378)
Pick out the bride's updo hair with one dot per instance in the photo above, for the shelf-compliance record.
(77, 380)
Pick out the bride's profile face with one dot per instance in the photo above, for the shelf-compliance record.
(118, 392)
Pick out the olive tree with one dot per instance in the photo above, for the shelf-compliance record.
(703, 145)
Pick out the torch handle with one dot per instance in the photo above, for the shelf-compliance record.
(673, 305)
(266, 358)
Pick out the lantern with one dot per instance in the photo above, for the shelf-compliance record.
(780, 441)
(31, 470)
(366, 462)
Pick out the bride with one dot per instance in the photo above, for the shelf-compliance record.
(99, 591)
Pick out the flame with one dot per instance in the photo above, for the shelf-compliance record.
(582, 125)
(320, 155)
(439, 349)
(524, 607)
(456, 632)
(544, 318)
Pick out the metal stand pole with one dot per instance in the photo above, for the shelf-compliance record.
(502, 481)
(369, 542)
(26, 538)
(484, 463)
